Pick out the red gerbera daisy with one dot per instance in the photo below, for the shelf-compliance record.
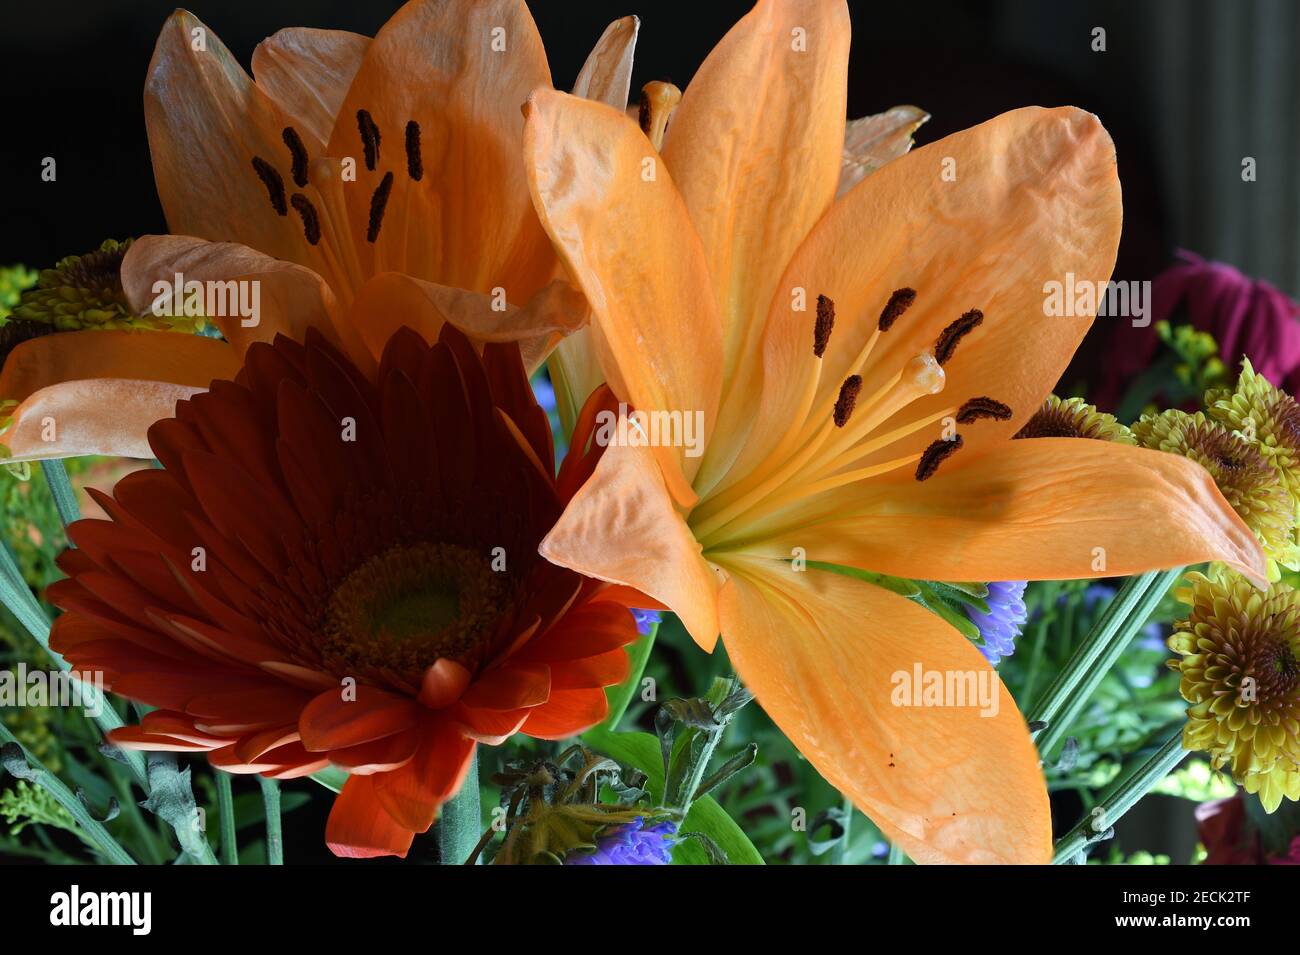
(330, 570)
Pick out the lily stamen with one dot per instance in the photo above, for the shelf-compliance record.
(310, 220)
(899, 302)
(658, 101)
(378, 203)
(847, 399)
(824, 325)
(298, 152)
(369, 138)
(983, 407)
(414, 164)
(936, 454)
(274, 184)
(948, 339)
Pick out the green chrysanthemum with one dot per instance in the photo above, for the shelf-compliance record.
(1074, 418)
(14, 280)
(1265, 415)
(1239, 658)
(1248, 480)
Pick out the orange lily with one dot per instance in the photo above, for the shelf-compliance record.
(377, 173)
(825, 432)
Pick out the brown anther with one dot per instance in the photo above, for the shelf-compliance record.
(947, 341)
(847, 399)
(299, 153)
(825, 324)
(899, 302)
(983, 407)
(379, 202)
(369, 137)
(933, 456)
(414, 164)
(310, 221)
(274, 184)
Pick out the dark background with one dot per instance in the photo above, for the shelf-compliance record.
(1187, 88)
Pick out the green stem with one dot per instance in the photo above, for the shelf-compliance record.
(65, 498)
(896, 855)
(841, 848)
(1124, 796)
(620, 697)
(460, 825)
(274, 835)
(94, 830)
(18, 597)
(1073, 687)
(226, 812)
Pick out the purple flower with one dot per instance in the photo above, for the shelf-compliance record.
(1001, 625)
(645, 620)
(1247, 317)
(632, 844)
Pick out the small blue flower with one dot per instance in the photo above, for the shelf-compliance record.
(1001, 625)
(645, 620)
(632, 844)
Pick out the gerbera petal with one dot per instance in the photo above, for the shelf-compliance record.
(358, 826)
(413, 793)
(337, 719)
(607, 74)
(567, 713)
(308, 72)
(460, 69)
(979, 220)
(609, 205)
(622, 526)
(754, 148)
(823, 654)
(1038, 509)
(509, 687)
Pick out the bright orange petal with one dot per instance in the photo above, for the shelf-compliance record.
(608, 203)
(607, 74)
(1034, 509)
(754, 149)
(622, 527)
(308, 73)
(1035, 197)
(358, 826)
(461, 69)
(822, 654)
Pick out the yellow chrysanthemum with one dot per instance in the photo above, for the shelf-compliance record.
(1074, 418)
(1239, 658)
(1266, 416)
(1248, 480)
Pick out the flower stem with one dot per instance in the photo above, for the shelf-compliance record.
(460, 825)
(1062, 702)
(65, 498)
(840, 850)
(620, 697)
(274, 835)
(226, 812)
(896, 855)
(1124, 796)
(93, 829)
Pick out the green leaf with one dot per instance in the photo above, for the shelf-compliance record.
(641, 750)
(620, 697)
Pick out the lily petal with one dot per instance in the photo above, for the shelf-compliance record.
(623, 231)
(290, 298)
(1038, 509)
(754, 148)
(1036, 197)
(460, 69)
(872, 141)
(207, 121)
(308, 72)
(392, 300)
(607, 75)
(621, 526)
(822, 652)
